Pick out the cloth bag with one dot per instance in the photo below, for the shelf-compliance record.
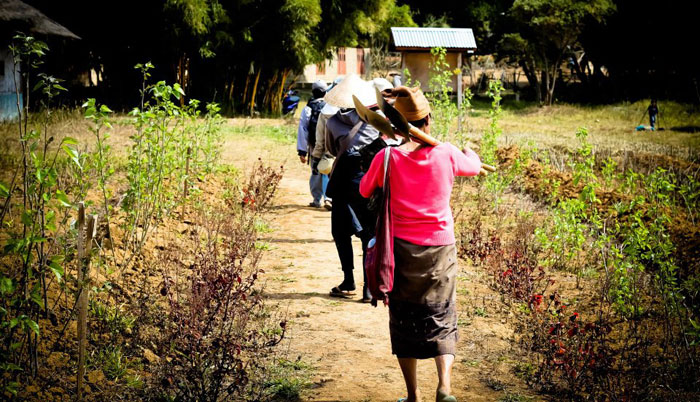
(379, 258)
(325, 165)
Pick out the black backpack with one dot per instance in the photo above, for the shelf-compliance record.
(316, 105)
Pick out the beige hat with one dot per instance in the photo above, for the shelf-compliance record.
(341, 94)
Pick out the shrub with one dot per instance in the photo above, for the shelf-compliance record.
(218, 335)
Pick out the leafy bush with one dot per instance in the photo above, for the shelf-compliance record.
(218, 335)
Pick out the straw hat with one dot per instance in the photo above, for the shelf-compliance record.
(341, 95)
(411, 103)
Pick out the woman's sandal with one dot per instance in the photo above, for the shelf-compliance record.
(442, 397)
(338, 292)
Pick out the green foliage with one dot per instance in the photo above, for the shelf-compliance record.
(546, 31)
(170, 148)
(111, 361)
(444, 111)
(287, 380)
(31, 245)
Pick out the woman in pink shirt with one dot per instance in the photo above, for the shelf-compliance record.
(422, 310)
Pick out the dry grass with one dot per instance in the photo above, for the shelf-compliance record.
(610, 126)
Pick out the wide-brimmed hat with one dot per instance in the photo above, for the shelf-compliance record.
(410, 102)
(341, 94)
(382, 84)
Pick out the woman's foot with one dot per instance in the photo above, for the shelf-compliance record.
(366, 295)
(415, 398)
(344, 290)
(443, 396)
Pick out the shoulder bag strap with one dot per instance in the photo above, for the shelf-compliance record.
(347, 141)
(387, 154)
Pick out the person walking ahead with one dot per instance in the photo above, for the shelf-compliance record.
(422, 310)
(306, 139)
(653, 111)
(345, 136)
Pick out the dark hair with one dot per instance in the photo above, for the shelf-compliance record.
(318, 93)
(420, 123)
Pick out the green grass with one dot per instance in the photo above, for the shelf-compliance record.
(110, 360)
(273, 130)
(289, 379)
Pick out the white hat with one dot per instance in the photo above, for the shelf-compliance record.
(381, 84)
(341, 95)
(329, 110)
(319, 85)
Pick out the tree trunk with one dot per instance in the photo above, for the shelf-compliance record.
(183, 66)
(245, 89)
(230, 102)
(531, 76)
(270, 91)
(277, 101)
(253, 93)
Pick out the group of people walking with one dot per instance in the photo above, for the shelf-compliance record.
(422, 304)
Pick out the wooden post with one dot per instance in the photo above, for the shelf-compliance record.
(459, 93)
(459, 80)
(187, 180)
(85, 236)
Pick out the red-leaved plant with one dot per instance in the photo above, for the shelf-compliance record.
(572, 350)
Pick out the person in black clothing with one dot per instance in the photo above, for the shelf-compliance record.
(306, 140)
(653, 111)
(345, 136)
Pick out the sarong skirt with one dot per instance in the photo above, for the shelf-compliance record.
(422, 304)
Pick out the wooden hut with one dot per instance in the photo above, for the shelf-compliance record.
(17, 16)
(345, 60)
(415, 44)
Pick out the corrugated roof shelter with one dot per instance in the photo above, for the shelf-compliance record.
(415, 45)
(457, 39)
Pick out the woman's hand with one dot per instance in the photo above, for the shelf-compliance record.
(485, 169)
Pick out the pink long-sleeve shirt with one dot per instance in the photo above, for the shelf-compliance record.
(421, 186)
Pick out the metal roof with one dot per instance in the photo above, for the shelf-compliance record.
(449, 38)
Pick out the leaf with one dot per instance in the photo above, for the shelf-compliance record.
(4, 191)
(6, 285)
(63, 198)
(73, 154)
(27, 217)
(33, 325)
(57, 269)
(70, 141)
(178, 88)
(35, 296)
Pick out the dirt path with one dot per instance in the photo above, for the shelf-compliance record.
(347, 342)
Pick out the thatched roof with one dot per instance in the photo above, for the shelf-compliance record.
(19, 13)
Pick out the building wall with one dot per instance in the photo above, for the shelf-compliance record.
(8, 98)
(418, 64)
(333, 69)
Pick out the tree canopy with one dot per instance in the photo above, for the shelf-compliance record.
(244, 53)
